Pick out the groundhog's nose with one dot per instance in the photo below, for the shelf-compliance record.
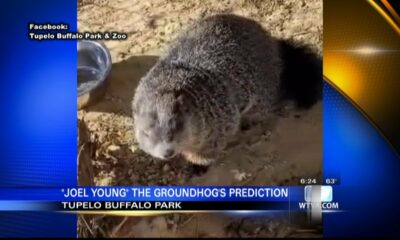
(169, 153)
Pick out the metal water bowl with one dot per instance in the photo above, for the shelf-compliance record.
(94, 66)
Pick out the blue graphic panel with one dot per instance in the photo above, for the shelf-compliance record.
(368, 169)
(38, 122)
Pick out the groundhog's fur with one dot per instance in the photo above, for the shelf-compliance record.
(219, 72)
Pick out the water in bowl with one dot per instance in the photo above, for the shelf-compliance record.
(88, 78)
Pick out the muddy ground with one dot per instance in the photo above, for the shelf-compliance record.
(289, 146)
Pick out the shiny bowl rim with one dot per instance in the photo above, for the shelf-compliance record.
(107, 69)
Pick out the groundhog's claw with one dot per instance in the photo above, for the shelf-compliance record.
(198, 159)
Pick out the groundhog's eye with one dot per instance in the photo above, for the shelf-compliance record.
(171, 123)
(169, 136)
(175, 124)
(179, 125)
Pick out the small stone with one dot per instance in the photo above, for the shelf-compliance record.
(239, 176)
(90, 116)
(166, 168)
(113, 148)
(106, 181)
(133, 148)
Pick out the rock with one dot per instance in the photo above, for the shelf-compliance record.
(166, 168)
(105, 181)
(113, 148)
(133, 148)
(240, 176)
(90, 116)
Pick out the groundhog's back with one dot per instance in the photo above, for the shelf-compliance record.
(236, 48)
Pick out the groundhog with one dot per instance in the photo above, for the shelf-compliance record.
(223, 71)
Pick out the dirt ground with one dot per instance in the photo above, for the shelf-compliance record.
(288, 147)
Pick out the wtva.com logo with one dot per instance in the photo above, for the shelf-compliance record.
(318, 197)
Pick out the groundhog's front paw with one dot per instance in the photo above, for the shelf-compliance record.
(248, 123)
(193, 170)
(198, 159)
